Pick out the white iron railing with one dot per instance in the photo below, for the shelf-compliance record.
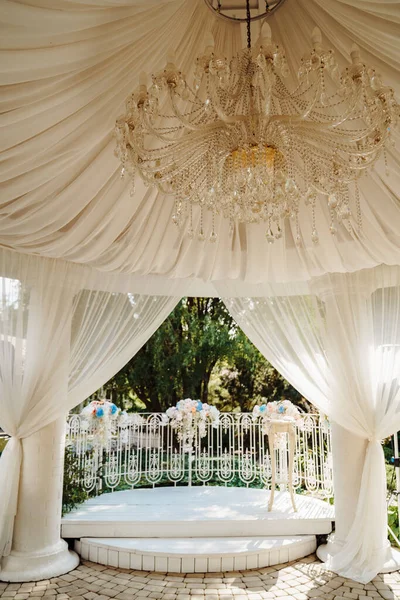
(144, 451)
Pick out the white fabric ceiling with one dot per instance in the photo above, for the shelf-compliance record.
(66, 67)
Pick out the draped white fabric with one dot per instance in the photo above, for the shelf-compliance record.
(337, 340)
(66, 67)
(60, 341)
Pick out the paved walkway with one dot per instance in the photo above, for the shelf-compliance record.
(301, 580)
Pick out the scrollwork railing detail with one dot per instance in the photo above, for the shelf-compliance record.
(144, 451)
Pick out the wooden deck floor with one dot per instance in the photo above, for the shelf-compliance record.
(196, 512)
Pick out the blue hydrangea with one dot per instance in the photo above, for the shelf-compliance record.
(263, 408)
(281, 409)
(199, 406)
(99, 412)
(113, 409)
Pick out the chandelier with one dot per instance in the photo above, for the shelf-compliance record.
(237, 141)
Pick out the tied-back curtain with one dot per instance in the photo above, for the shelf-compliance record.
(337, 340)
(63, 333)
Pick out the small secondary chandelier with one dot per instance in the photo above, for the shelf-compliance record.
(238, 142)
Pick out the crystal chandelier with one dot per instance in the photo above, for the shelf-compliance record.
(238, 142)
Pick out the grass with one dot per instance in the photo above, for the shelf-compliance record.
(3, 443)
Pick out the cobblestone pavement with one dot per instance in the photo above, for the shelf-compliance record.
(300, 580)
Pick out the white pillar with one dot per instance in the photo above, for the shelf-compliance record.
(348, 454)
(38, 552)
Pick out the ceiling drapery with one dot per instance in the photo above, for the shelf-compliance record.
(66, 67)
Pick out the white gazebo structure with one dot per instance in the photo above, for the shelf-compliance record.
(89, 271)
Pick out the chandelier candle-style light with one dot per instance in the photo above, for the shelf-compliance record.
(239, 142)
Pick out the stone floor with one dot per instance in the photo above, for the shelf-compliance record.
(301, 580)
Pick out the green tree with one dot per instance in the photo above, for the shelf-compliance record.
(199, 340)
(250, 378)
(177, 361)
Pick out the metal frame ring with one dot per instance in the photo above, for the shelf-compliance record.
(264, 15)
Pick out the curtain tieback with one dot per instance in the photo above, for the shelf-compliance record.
(14, 438)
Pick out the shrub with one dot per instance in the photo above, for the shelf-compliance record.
(73, 492)
(393, 521)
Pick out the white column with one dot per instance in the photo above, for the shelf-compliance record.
(38, 552)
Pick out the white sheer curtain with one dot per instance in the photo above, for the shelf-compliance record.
(62, 336)
(337, 340)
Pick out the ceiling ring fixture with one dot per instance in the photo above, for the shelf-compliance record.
(217, 9)
(237, 141)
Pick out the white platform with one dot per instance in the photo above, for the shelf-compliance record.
(200, 512)
(191, 555)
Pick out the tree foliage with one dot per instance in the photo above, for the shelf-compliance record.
(199, 352)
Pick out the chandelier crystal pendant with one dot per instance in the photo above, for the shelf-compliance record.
(240, 143)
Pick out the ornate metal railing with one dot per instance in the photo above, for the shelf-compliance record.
(143, 450)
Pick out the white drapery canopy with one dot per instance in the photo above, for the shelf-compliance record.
(66, 67)
(337, 340)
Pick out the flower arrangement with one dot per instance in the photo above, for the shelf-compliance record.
(101, 417)
(189, 416)
(281, 410)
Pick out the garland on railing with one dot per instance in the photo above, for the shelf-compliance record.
(281, 410)
(103, 418)
(189, 416)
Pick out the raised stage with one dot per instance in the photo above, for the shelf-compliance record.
(196, 529)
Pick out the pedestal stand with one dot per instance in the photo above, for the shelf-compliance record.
(277, 427)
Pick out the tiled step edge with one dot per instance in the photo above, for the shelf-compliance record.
(144, 561)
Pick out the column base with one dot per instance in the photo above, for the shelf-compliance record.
(50, 562)
(392, 560)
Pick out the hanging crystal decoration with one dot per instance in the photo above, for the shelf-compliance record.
(239, 143)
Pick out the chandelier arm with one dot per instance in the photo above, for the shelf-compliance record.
(307, 127)
(185, 165)
(226, 119)
(292, 96)
(283, 92)
(318, 115)
(162, 137)
(182, 117)
(351, 151)
(297, 95)
(309, 108)
(187, 123)
(233, 97)
(223, 116)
